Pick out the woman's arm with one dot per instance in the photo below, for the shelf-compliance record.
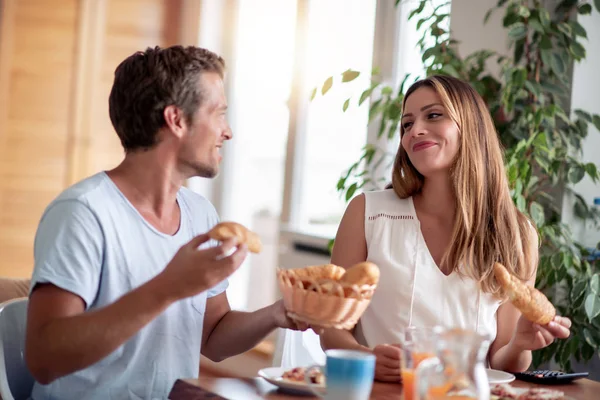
(350, 248)
(517, 337)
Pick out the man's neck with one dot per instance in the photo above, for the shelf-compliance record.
(150, 182)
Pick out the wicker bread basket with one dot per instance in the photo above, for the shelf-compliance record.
(323, 302)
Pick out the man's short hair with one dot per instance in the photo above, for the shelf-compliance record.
(147, 82)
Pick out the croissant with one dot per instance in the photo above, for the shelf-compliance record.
(327, 271)
(364, 273)
(227, 230)
(532, 303)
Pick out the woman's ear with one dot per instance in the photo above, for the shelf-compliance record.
(175, 120)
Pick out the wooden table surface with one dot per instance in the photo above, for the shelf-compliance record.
(253, 389)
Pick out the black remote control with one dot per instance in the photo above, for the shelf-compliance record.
(546, 377)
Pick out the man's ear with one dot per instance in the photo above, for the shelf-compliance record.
(175, 120)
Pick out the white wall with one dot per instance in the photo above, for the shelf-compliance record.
(466, 24)
(585, 95)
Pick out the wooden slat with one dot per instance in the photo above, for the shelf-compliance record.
(33, 152)
(57, 60)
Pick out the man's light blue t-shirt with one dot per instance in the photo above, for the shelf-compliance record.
(91, 241)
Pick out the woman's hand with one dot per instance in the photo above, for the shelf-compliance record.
(530, 336)
(387, 364)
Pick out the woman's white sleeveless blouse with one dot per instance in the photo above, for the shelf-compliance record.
(412, 290)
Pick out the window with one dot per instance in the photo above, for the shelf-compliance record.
(340, 36)
(277, 51)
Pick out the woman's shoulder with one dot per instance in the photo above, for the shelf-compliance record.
(387, 203)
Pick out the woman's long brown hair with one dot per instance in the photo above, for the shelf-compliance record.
(488, 227)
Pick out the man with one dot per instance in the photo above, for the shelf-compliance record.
(122, 299)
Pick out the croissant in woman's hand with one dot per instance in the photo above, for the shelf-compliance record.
(532, 303)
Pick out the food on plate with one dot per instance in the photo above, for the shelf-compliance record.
(532, 303)
(541, 394)
(507, 392)
(297, 375)
(504, 391)
(227, 230)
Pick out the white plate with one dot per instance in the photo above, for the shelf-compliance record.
(273, 376)
(495, 376)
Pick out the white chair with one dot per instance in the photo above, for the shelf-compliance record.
(16, 383)
(297, 349)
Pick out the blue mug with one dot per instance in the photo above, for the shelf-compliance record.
(348, 374)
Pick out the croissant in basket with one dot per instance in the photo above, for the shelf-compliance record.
(532, 303)
(328, 295)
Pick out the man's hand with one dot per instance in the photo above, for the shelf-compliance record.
(192, 271)
(283, 321)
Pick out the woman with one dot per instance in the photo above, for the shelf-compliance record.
(438, 231)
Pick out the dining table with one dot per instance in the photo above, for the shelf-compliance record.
(216, 388)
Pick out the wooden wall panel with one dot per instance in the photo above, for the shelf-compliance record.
(34, 152)
(57, 59)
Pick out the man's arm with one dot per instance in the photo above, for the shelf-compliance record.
(62, 338)
(227, 333)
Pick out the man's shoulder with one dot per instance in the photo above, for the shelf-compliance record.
(196, 201)
(83, 190)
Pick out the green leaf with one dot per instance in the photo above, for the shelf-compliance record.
(536, 25)
(418, 10)
(576, 173)
(589, 338)
(365, 95)
(578, 29)
(313, 94)
(545, 17)
(546, 57)
(509, 19)
(592, 306)
(592, 170)
(374, 110)
(583, 115)
(557, 64)
(517, 31)
(346, 104)
(349, 75)
(577, 50)
(545, 42)
(387, 91)
(449, 69)
(487, 15)
(350, 191)
(556, 260)
(327, 85)
(537, 213)
(533, 88)
(595, 284)
(521, 203)
(565, 28)
(578, 291)
(585, 9)
(597, 4)
(596, 121)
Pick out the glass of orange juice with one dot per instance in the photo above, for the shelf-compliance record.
(418, 344)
